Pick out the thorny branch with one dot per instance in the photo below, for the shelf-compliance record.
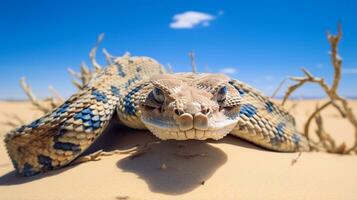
(340, 103)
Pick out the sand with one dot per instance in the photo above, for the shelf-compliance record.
(225, 169)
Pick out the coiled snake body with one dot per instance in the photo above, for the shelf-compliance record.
(177, 106)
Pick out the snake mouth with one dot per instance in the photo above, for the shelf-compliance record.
(173, 132)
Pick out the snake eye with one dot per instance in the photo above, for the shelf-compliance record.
(221, 94)
(159, 95)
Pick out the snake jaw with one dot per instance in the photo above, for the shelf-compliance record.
(165, 133)
(170, 127)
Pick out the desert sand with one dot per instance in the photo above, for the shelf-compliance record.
(225, 169)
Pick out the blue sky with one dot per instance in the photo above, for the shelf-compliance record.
(254, 41)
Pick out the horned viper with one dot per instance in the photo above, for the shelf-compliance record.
(178, 106)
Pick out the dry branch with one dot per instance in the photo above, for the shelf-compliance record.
(108, 57)
(57, 98)
(340, 103)
(193, 63)
(278, 88)
(309, 78)
(100, 153)
(17, 121)
(169, 69)
(93, 53)
(40, 105)
(295, 160)
(134, 152)
(85, 74)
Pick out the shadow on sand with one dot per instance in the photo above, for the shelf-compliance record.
(169, 167)
(175, 167)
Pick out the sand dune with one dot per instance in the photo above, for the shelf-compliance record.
(225, 169)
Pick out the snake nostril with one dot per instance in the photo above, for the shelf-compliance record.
(178, 111)
(205, 111)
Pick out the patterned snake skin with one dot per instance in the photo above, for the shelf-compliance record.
(172, 106)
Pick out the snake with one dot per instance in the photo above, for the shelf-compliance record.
(172, 106)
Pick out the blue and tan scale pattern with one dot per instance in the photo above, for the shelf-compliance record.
(60, 136)
(57, 138)
(265, 123)
(128, 108)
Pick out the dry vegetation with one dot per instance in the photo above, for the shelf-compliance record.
(325, 141)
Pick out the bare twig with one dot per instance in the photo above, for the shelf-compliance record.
(309, 78)
(339, 108)
(126, 54)
(193, 63)
(134, 152)
(93, 53)
(38, 104)
(74, 73)
(325, 138)
(100, 153)
(169, 68)
(335, 58)
(57, 96)
(312, 116)
(74, 81)
(295, 160)
(17, 120)
(141, 151)
(108, 57)
(278, 88)
(85, 75)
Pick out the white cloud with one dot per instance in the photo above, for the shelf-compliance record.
(349, 71)
(229, 70)
(190, 19)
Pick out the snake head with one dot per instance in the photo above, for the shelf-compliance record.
(190, 106)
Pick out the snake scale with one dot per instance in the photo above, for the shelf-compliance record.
(177, 106)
